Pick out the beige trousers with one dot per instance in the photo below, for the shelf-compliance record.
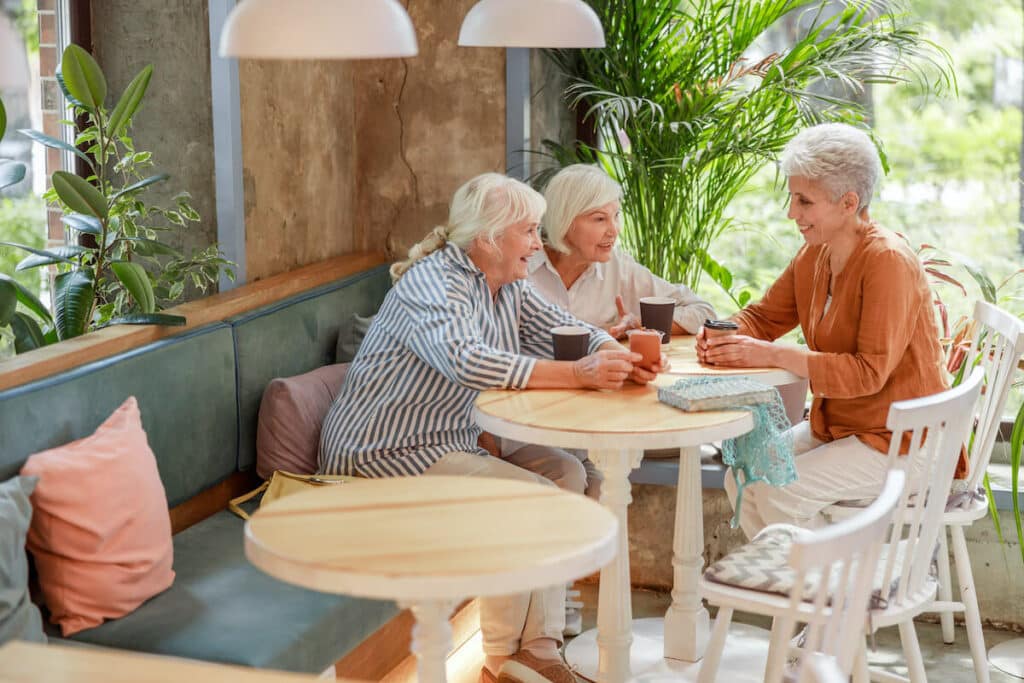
(509, 621)
(570, 469)
(827, 473)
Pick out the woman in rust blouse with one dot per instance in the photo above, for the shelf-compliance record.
(861, 298)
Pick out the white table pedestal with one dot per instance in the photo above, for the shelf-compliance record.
(746, 652)
(687, 625)
(431, 637)
(1008, 657)
(615, 608)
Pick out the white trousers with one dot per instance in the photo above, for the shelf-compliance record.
(827, 472)
(509, 621)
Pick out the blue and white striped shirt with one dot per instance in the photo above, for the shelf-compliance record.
(438, 340)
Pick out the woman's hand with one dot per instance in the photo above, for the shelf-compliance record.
(736, 351)
(702, 345)
(627, 321)
(606, 369)
(641, 375)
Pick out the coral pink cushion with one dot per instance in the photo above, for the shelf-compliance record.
(100, 534)
(291, 414)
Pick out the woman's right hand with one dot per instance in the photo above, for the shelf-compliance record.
(605, 369)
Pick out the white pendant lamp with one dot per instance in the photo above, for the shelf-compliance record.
(318, 29)
(532, 23)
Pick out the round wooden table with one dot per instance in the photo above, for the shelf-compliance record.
(429, 542)
(616, 427)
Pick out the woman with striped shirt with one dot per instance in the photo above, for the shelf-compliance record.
(461, 319)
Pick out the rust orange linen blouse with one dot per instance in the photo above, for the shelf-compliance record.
(877, 343)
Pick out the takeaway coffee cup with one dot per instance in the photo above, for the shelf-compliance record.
(719, 328)
(570, 342)
(656, 314)
(648, 344)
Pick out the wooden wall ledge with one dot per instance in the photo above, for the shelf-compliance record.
(110, 341)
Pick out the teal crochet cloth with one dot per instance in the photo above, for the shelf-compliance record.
(763, 454)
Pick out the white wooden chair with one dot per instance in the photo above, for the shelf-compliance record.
(903, 584)
(997, 346)
(846, 554)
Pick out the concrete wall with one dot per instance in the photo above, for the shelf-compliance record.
(175, 121)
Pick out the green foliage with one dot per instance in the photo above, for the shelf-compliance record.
(686, 114)
(116, 269)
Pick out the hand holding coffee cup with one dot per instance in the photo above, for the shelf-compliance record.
(570, 342)
(656, 313)
(713, 329)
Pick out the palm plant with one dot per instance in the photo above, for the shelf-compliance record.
(686, 114)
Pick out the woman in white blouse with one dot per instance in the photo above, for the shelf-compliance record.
(582, 270)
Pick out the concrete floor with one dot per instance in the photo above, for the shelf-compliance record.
(944, 663)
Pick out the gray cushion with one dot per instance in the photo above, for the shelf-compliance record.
(350, 337)
(222, 609)
(185, 386)
(292, 337)
(19, 618)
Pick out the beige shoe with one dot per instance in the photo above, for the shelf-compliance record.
(524, 667)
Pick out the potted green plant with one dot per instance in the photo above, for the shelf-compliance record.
(117, 270)
(684, 113)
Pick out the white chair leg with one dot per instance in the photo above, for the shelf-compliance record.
(713, 651)
(860, 663)
(912, 652)
(945, 587)
(972, 616)
(778, 649)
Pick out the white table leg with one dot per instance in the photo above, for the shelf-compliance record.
(615, 607)
(431, 638)
(687, 626)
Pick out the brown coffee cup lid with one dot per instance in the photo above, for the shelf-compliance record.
(721, 325)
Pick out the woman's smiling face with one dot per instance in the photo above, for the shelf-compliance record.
(817, 216)
(593, 233)
(515, 245)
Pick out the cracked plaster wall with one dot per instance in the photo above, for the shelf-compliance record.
(351, 156)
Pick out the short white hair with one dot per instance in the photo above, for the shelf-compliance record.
(840, 157)
(483, 207)
(573, 191)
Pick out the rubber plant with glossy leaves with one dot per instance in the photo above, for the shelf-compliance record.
(114, 268)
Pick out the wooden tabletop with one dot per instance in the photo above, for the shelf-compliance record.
(431, 537)
(22, 662)
(630, 418)
(682, 355)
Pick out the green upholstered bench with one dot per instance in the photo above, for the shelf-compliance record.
(199, 395)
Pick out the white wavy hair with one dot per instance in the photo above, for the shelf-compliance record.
(573, 191)
(483, 207)
(840, 157)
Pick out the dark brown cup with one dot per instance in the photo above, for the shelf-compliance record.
(648, 344)
(656, 314)
(570, 342)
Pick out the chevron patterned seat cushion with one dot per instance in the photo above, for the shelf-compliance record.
(761, 565)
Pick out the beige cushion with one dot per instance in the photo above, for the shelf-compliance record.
(291, 414)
